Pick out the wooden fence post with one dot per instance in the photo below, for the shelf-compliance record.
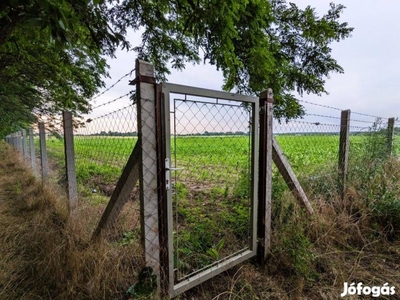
(390, 134)
(343, 150)
(265, 176)
(288, 175)
(122, 192)
(43, 151)
(70, 160)
(32, 150)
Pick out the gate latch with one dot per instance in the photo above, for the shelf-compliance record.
(168, 170)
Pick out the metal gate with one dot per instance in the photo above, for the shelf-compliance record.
(211, 182)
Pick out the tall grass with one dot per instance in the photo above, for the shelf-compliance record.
(45, 254)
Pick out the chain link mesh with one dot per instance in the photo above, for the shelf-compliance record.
(104, 144)
(211, 152)
(102, 148)
(311, 146)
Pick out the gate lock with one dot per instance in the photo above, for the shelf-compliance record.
(168, 170)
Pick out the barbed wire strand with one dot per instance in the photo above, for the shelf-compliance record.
(110, 113)
(335, 108)
(338, 118)
(114, 100)
(322, 124)
(111, 86)
(292, 122)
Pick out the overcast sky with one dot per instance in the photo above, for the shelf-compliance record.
(370, 58)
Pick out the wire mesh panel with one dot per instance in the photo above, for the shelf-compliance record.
(311, 147)
(103, 145)
(396, 139)
(369, 146)
(102, 148)
(212, 185)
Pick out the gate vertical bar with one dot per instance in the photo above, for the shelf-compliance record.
(32, 150)
(265, 176)
(70, 161)
(43, 151)
(162, 191)
(344, 150)
(145, 90)
(390, 134)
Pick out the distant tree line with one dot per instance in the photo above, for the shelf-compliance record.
(112, 133)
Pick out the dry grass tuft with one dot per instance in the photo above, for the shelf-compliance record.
(47, 255)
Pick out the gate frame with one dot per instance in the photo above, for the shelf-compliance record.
(217, 267)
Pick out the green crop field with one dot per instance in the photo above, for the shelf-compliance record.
(227, 151)
(207, 157)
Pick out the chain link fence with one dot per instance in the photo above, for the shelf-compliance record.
(211, 155)
(312, 147)
(103, 143)
(103, 146)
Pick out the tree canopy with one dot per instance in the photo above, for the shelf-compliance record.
(52, 53)
(256, 43)
(52, 57)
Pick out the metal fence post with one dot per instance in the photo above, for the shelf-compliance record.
(148, 168)
(43, 151)
(70, 161)
(265, 175)
(390, 134)
(344, 150)
(32, 150)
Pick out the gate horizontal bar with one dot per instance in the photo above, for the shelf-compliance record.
(211, 272)
(194, 91)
